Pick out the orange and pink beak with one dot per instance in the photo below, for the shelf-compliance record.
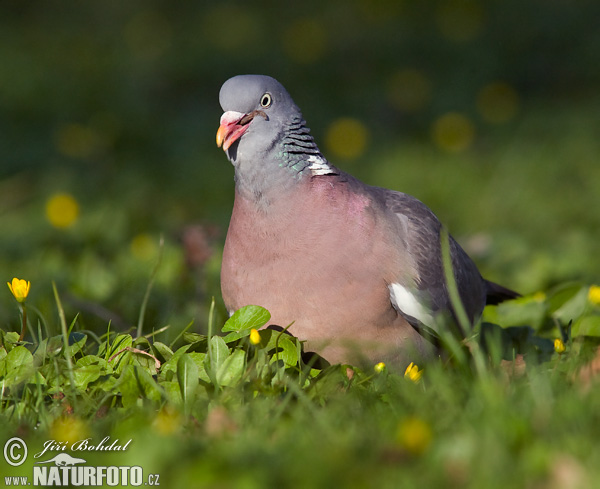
(231, 129)
(234, 125)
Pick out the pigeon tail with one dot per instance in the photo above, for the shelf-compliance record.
(495, 294)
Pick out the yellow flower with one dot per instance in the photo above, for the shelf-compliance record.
(559, 346)
(413, 373)
(414, 435)
(62, 210)
(254, 336)
(347, 138)
(19, 288)
(167, 421)
(453, 132)
(69, 429)
(594, 294)
(380, 367)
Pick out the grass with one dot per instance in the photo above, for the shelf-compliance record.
(207, 411)
(116, 106)
(114, 348)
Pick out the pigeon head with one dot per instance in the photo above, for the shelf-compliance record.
(264, 136)
(257, 105)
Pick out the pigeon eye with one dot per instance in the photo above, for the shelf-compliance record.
(266, 100)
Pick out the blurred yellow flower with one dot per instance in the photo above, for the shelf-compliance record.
(243, 27)
(497, 102)
(167, 421)
(594, 294)
(19, 288)
(414, 435)
(347, 138)
(539, 296)
(559, 346)
(69, 429)
(62, 210)
(460, 20)
(380, 367)
(409, 90)
(413, 373)
(305, 40)
(254, 336)
(453, 132)
(144, 247)
(148, 34)
(78, 141)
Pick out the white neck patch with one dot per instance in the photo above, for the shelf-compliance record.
(408, 303)
(319, 166)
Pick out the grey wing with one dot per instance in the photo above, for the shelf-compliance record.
(423, 244)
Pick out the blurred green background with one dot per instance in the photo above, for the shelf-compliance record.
(486, 111)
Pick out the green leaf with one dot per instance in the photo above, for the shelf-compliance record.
(187, 377)
(193, 337)
(76, 342)
(519, 312)
(162, 351)
(587, 326)
(141, 343)
(17, 366)
(171, 364)
(19, 356)
(86, 374)
(247, 317)
(562, 294)
(107, 383)
(119, 343)
(235, 335)
(286, 351)
(116, 355)
(8, 340)
(232, 369)
(573, 308)
(94, 360)
(200, 359)
(146, 362)
(136, 383)
(55, 345)
(219, 352)
(172, 391)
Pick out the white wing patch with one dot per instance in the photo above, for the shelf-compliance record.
(406, 302)
(318, 165)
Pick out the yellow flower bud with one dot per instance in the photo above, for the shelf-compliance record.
(254, 336)
(19, 288)
(559, 346)
(380, 367)
(413, 373)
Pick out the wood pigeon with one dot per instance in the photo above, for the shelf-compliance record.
(356, 270)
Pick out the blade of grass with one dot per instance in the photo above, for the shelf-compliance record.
(181, 333)
(63, 326)
(158, 331)
(140, 325)
(211, 371)
(459, 309)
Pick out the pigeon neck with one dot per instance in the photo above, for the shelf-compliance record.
(299, 153)
(293, 160)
